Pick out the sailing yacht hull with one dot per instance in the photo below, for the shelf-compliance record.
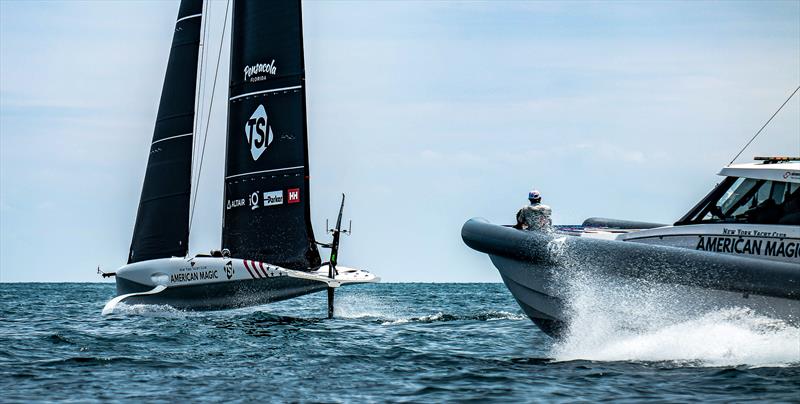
(212, 283)
(221, 295)
(537, 269)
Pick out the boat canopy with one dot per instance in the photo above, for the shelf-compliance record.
(788, 172)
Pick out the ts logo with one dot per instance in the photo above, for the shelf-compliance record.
(229, 270)
(257, 132)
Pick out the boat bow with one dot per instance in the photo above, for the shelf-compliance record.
(664, 264)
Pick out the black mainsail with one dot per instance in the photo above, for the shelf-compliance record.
(162, 221)
(267, 207)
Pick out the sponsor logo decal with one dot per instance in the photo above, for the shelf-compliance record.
(791, 174)
(257, 132)
(294, 195)
(254, 201)
(273, 198)
(229, 269)
(740, 245)
(234, 203)
(259, 71)
(194, 276)
(752, 233)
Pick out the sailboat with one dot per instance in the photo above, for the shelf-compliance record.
(269, 252)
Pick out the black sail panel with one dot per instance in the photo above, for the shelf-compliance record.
(267, 206)
(162, 221)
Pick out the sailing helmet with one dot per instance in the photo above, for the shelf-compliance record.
(535, 196)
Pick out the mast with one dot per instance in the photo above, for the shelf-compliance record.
(162, 220)
(267, 212)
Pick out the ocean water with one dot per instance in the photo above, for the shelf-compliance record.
(389, 343)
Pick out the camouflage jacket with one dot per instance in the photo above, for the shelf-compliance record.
(535, 217)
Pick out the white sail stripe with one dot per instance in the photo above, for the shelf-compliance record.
(266, 91)
(188, 17)
(264, 171)
(171, 137)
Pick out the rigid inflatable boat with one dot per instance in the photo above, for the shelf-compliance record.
(738, 247)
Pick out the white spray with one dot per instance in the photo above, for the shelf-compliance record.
(613, 319)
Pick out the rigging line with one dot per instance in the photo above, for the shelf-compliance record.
(197, 104)
(765, 125)
(201, 82)
(208, 117)
(203, 60)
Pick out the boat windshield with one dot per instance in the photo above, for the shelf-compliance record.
(748, 200)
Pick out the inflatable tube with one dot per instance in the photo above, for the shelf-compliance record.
(642, 261)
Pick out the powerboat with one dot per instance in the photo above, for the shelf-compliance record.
(738, 247)
(268, 251)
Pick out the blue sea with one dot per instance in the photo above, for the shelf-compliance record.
(388, 343)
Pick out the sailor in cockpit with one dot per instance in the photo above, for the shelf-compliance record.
(535, 216)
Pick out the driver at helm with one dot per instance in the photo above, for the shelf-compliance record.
(535, 216)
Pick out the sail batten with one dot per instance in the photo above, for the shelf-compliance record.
(271, 90)
(162, 219)
(267, 206)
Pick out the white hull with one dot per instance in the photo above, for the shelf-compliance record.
(216, 283)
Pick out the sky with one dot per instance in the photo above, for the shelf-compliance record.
(424, 113)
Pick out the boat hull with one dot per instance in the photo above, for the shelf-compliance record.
(530, 287)
(221, 295)
(536, 268)
(213, 283)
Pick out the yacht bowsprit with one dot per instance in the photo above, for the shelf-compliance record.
(269, 251)
(737, 247)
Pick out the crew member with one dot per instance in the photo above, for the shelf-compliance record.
(535, 216)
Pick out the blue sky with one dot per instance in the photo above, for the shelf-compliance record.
(424, 113)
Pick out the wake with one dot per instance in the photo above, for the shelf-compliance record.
(629, 320)
(363, 306)
(123, 309)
